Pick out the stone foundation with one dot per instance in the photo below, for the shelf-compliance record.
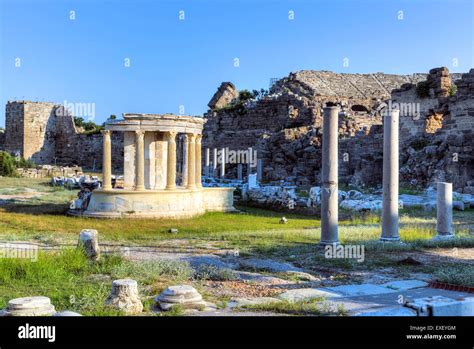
(175, 204)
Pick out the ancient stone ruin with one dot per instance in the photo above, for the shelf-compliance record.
(150, 164)
(285, 126)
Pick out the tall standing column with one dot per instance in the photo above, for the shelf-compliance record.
(214, 163)
(191, 160)
(198, 160)
(444, 210)
(185, 163)
(223, 163)
(171, 160)
(259, 169)
(107, 161)
(140, 161)
(207, 168)
(390, 177)
(329, 194)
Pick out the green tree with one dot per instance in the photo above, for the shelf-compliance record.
(7, 165)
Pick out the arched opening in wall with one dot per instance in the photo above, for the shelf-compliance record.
(359, 108)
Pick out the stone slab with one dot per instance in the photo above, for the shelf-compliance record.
(405, 284)
(359, 290)
(303, 294)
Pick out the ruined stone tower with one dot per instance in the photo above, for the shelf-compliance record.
(30, 130)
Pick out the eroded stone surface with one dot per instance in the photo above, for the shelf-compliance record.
(29, 306)
(124, 296)
(184, 295)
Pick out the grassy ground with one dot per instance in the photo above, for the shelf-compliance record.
(74, 284)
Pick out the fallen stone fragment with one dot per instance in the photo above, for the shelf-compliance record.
(89, 242)
(184, 295)
(442, 306)
(124, 296)
(29, 306)
(173, 231)
(283, 220)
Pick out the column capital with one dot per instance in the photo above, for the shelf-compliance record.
(140, 133)
(170, 136)
(191, 137)
(198, 138)
(106, 132)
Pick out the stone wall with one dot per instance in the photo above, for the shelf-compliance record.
(46, 134)
(285, 126)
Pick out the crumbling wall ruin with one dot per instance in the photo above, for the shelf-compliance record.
(285, 126)
(46, 134)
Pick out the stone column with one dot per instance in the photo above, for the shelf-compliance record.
(444, 210)
(329, 194)
(214, 163)
(129, 157)
(198, 161)
(191, 160)
(140, 161)
(259, 169)
(240, 171)
(185, 163)
(390, 177)
(107, 161)
(207, 163)
(171, 161)
(161, 151)
(223, 163)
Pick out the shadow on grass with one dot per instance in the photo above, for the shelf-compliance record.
(36, 209)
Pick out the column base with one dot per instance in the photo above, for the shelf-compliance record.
(390, 239)
(444, 236)
(139, 188)
(326, 243)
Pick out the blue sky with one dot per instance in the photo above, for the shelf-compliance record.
(177, 62)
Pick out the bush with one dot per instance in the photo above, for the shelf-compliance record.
(452, 90)
(7, 165)
(423, 89)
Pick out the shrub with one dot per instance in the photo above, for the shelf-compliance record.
(452, 90)
(7, 165)
(423, 89)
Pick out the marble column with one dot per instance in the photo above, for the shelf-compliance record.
(185, 162)
(207, 164)
(107, 161)
(259, 169)
(390, 177)
(129, 158)
(329, 192)
(140, 161)
(191, 137)
(214, 163)
(171, 160)
(198, 161)
(161, 151)
(240, 171)
(444, 210)
(222, 163)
